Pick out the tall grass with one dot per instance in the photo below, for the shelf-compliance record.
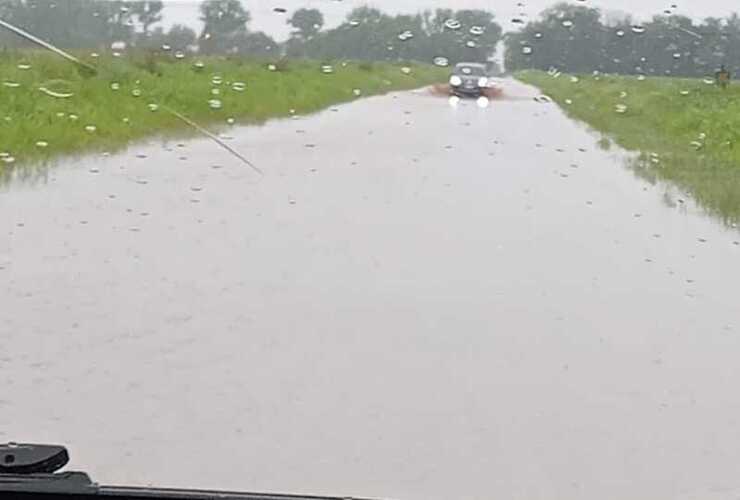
(688, 130)
(103, 111)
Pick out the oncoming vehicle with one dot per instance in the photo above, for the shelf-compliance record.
(469, 80)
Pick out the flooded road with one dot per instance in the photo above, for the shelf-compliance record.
(417, 301)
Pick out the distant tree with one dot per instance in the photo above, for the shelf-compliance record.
(148, 13)
(223, 22)
(181, 37)
(256, 45)
(307, 23)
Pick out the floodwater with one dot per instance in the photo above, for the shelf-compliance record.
(417, 301)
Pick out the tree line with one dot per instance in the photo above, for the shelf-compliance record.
(367, 33)
(577, 39)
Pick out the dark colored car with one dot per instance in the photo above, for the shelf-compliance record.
(469, 80)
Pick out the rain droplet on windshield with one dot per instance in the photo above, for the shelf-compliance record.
(453, 24)
(215, 104)
(406, 35)
(238, 86)
(90, 128)
(327, 69)
(441, 61)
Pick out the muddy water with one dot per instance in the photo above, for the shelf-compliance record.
(417, 301)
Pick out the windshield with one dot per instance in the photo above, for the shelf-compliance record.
(285, 246)
(470, 70)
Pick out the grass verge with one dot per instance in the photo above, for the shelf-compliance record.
(48, 107)
(687, 130)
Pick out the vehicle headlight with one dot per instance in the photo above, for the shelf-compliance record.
(483, 82)
(455, 81)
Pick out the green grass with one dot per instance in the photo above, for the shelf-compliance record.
(29, 116)
(687, 130)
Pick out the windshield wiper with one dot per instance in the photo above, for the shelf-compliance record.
(30, 472)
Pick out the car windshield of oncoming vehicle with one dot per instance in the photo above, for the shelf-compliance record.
(410, 249)
(471, 70)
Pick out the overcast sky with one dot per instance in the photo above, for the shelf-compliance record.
(265, 19)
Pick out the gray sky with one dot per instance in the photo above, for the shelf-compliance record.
(265, 19)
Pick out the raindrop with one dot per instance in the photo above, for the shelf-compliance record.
(58, 95)
(73, 117)
(115, 86)
(567, 23)
(641, 78)
(470, 44)
(406, 70)
(42, 144)
(538, 35)
(153, 107)
(677, 55)
(90, 128)
(8, 159)
(574, 79)
(526, 50)
(199, 65)
(12, 85)
(136, 93)
(271, 67)
(179, 55)
(354, 24)
(24, 67)
(406, 35)
(709, 81)
(327, 69)
(217, 80)
(230, 121)
(94, 55)
(119, 45)
(477, 30)
(453, 24)
(215, 104)
(238, 86)
(637, 29)
(215, 91)
(684, 92)
(620, 108)
(357, 92)
(441, 61)
(620, 33)
(166, 47)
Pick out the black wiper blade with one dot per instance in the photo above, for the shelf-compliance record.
(50, 485)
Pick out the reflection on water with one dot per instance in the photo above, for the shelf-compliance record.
(429, 303)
